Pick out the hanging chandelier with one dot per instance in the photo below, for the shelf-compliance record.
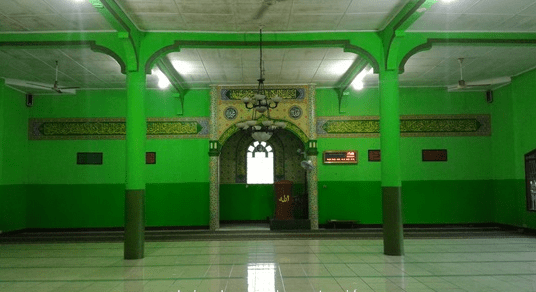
(261, 129)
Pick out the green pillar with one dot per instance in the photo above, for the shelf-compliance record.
(393, 236)
(136, 131)
(2, 130)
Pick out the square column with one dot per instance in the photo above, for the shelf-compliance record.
(136, 137)
(393, 235)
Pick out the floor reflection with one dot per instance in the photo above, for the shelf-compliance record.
(261, 277)
(453, 264)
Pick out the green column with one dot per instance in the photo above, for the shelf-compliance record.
(136, 131)
(393, 236)
(2, 130)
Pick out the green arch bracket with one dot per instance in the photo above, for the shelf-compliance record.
(346, 45)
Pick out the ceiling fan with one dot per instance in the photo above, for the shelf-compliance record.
(481, 85)
(264, 8)
(55, 87)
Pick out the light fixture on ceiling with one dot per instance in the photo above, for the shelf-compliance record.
(163, 81)
(358, 83)
(261, 129)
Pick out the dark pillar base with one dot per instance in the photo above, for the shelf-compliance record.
(134, 224)
(393, 233)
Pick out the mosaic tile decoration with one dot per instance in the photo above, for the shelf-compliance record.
(410, 126)
(312, 185)
(114, 128)
(240, 92)
(228, 109)
(290, 127)
(214, 195)
(214, 113)
(311, 108)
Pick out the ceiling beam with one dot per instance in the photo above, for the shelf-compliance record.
(172, 75)
(396, 29)
(127, 30)
(346, 80)
(425, 41)
(409, 14)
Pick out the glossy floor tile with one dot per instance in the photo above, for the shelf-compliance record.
(449, 265)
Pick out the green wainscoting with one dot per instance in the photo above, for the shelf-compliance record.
(510, 202)
(184, 204)
(187, 204)
(424, 202)
(347, 200)
(246, 202)
(12, 207)
(76, 206)
(448, 202)
(94, 205)
(254, 202)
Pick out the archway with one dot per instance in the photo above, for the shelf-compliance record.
(241, 202)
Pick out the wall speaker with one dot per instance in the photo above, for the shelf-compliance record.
(489, 96)
(29, 100)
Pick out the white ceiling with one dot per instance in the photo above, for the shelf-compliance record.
(325, 67)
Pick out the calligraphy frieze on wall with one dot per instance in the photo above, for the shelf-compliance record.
(285, 93)
(231, 109)
(410, 126)
(114, 128)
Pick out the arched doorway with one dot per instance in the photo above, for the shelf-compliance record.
(243, 202)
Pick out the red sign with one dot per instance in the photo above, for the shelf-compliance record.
(340, 157)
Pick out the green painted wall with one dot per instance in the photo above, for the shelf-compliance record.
(64, 194)
(252, 202)
(424, 202)
(13, 209)
(513, 137)
(456, 191)
(13, 159)
(75, 205)
(177, 204)
(483, 180)
(246, 202)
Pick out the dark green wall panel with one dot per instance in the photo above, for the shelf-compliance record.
(246, 202)
(185, 204)
(12, 207)
(510, 202)
(75, 206)
(445, 202)
(344, 200)
(424, 202)
(86, 206)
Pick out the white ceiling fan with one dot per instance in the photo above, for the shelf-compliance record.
(264, 8)
(29, 86)
(480, 85)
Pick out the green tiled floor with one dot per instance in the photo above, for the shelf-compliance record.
(494, 264)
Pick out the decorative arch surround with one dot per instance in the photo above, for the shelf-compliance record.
(297, 110)
(290, 127)
(294, 109)
(287, 161)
